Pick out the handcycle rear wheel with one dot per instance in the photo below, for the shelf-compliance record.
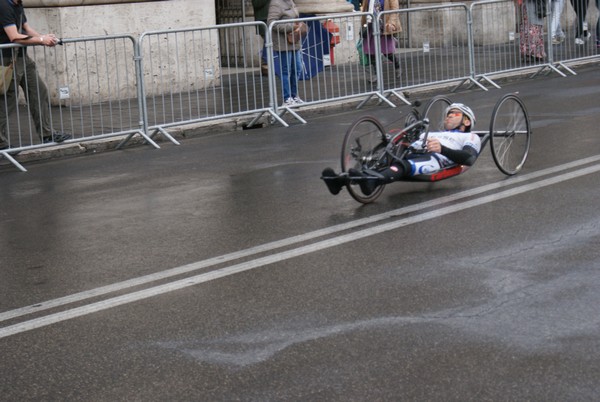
(510, 134)
(435, 111)
(364, 147)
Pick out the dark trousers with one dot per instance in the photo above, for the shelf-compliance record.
(391, 57)
(580, 8)
(36, 94)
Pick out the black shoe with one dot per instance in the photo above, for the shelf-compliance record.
(57, 137)
(333, 181)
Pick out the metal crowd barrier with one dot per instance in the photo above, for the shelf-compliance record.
(497, 36)
(109, 86)
(437, 51)
(91, 93)
(330, 69)
(185, 78)
(566, 48)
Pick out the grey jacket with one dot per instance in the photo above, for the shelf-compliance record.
(283, 10)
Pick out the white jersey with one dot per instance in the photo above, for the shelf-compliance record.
(433, 162)
(452, 140)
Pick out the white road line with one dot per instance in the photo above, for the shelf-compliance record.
(88, 294)
(285, 255)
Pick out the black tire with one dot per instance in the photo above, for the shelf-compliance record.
(364, 147)
(435, 111)
(510, 134)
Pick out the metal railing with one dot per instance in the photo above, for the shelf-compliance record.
(498, 52)
(437, 52)
(567, 47)
(333, 39)
(110, 86)
(186, 78)
(86, 88)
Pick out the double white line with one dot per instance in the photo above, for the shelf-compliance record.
(285, 255)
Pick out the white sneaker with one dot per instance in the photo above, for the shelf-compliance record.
(555, 40)
(297, 100)
(579, 41)
(288, 102)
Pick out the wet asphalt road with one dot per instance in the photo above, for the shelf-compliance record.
(222, 269)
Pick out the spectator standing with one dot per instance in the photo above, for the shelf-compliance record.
(16, 29)
(558, 36)
(391, 26)
(531, 29)
(289, 55)
(580, 7)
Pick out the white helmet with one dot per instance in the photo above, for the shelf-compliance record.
(465, 110)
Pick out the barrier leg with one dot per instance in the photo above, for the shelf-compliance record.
(12, 160)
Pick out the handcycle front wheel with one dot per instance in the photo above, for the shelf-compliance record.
(364, 148)
(510, 134)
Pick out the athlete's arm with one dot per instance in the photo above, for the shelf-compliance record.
(466, 156)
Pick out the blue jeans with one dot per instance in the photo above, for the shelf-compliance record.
(291, 65)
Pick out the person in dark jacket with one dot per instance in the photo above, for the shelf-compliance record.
(16, 29)
(261, 13)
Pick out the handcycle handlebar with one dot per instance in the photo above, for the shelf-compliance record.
(417, 128)
(410, 134)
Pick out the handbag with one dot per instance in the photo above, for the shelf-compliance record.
(297, 34)
(6, 75)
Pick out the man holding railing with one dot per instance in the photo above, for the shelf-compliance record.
(17, 30)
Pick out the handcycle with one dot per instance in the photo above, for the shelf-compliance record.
(368, 146)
